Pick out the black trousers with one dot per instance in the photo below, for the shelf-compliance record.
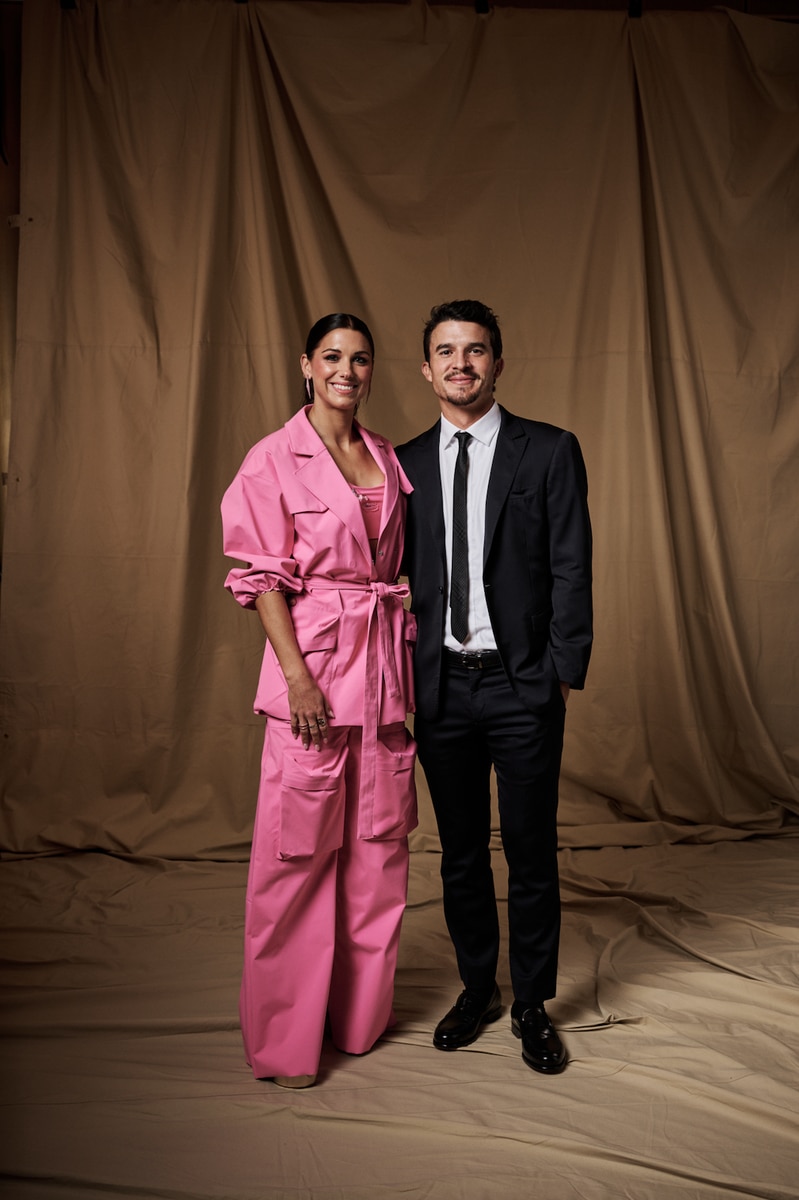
(484, 723)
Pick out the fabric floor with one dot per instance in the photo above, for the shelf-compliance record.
(678, 1002)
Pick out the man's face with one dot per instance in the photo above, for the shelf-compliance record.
(462, 370)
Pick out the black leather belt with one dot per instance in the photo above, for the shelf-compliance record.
(472, 660)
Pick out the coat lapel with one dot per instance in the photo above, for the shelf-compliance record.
(319, 474)
(427, 482)
(376, 447)
(511, 444)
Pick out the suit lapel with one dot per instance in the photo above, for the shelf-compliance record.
(427, 481)
(511, 443)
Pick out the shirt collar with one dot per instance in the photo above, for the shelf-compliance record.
(484, 430)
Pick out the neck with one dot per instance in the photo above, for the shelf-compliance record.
(465, 416)
(334, 428)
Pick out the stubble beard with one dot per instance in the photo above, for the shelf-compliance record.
(460, 398)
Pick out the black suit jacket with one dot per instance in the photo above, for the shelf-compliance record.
(536, 560)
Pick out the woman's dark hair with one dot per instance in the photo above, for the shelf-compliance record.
(326, 325)
(472, 311)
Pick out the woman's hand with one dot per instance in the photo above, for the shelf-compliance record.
(309, 712)
(308, 708)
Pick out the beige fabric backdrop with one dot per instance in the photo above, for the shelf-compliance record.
(204, 179)
(201, 180)
(10, 65)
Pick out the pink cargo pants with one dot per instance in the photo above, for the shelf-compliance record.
(324, 905)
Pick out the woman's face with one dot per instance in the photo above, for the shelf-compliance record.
(340, 369)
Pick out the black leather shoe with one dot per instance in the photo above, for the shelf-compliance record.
(542, 1049)
(462, 1023)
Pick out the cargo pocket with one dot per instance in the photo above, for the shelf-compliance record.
(394, 812)
(312, 805)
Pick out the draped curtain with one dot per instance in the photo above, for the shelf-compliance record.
(201, 180)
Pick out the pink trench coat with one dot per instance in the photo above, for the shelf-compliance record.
(329, 861)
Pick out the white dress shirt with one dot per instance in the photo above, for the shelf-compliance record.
(481, 456)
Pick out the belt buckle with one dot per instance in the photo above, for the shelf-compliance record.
(472, 660)
(484, 659)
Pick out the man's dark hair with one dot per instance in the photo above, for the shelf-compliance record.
(473, 311)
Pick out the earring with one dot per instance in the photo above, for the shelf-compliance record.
(308, 389)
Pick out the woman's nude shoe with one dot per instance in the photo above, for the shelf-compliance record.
(295, 1081)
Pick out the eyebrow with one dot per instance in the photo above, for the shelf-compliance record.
(470, 346)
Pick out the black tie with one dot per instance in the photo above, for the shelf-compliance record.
(459, 590)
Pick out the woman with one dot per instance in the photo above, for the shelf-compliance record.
(317, 510)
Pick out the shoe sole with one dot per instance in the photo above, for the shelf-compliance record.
(544, 1070)
(295, 1081)
(488, 1019)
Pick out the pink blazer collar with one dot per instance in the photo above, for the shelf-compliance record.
(320, 475)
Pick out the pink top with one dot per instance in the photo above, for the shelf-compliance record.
(371, 499)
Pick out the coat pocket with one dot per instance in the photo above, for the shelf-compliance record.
(316, 624)
(311, 805)
(316, 627)
(394, 812)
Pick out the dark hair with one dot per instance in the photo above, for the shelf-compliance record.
(473, 311)
(326, 325)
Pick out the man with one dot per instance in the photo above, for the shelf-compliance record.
(498, 554)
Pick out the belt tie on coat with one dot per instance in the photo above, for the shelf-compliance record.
(381, 665)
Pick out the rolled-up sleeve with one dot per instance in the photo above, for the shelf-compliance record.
(258, 529)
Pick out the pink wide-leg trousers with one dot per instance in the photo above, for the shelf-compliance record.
(323, 908)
